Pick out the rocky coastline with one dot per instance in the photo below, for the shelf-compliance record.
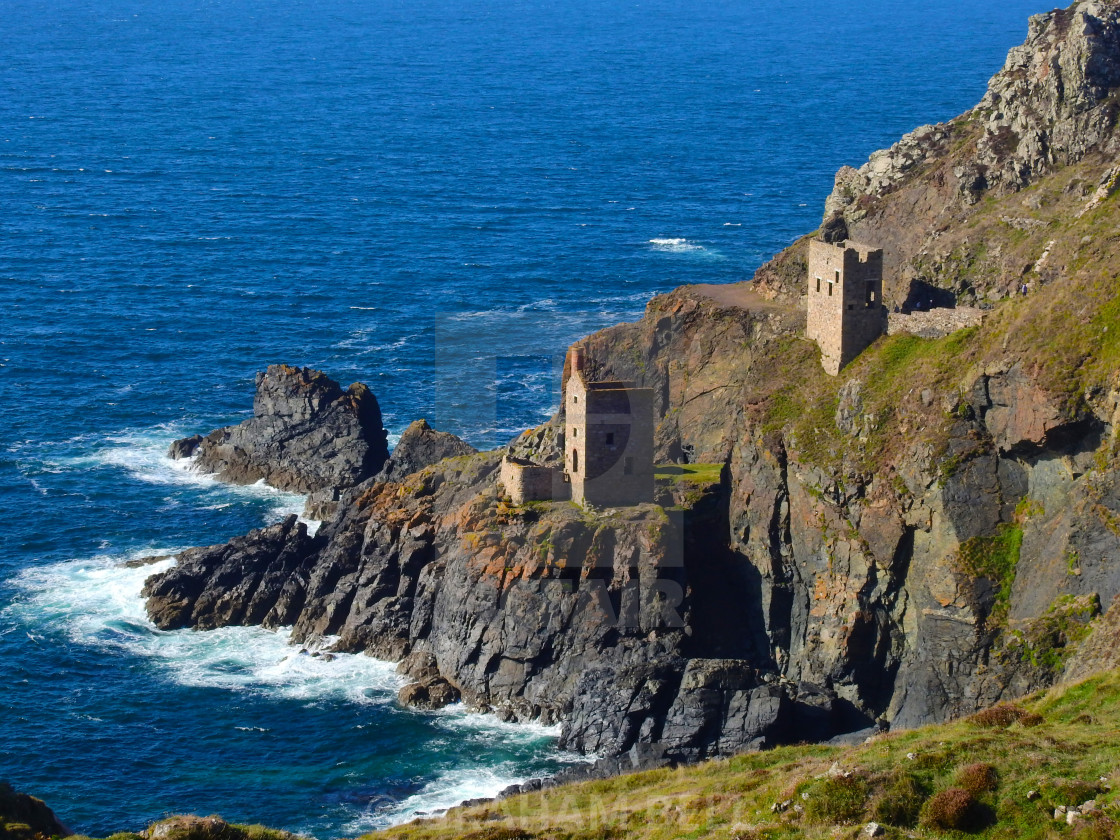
(930, 533)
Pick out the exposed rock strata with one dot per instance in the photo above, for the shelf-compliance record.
(863, 557)
(306, 434)
(1053, 104)
(421, 446)
(509, 608)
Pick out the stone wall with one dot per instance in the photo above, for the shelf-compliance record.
(618, 442)
(935, 323)
(608, 440)
(525, 481)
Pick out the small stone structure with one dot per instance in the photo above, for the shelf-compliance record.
(525, 481)
(934, 323)
(608, 439)
(845, 301)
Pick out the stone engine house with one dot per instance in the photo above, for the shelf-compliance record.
(845, 306)
(608, 439)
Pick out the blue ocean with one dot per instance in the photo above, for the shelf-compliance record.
(432, 197)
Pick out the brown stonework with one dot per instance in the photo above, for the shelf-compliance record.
(608, 440)
(845, 300)
(525, 481)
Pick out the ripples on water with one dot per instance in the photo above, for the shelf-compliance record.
(429, 197)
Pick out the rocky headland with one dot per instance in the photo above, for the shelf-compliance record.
(306, 435)
(933, 531)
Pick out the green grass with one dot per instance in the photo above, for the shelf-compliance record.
(900, 780)
(694, 473)
(1065, 335)
(996, 558)
(1048, 641)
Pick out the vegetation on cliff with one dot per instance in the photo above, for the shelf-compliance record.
(999, 774)
(931, 532)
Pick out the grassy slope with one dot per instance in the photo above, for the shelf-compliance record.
(1065, 333)
(893, 780)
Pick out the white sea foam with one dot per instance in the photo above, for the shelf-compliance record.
(97, 603)
(143, 454)
(446, 791)
(457, 718)
(459, 784)
(675, 245)
(680, 245)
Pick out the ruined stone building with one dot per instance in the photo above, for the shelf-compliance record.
(607, 443)
(608, 439)
(525, 481)
(845, 305)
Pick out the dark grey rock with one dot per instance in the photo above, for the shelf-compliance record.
(232, 584)
(421, 446)
(185, 447)
(306, 435)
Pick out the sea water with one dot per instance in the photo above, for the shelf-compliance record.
(432, 197)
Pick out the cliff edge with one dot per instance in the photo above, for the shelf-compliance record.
(932, 531)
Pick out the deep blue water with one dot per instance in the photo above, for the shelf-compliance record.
(433, 197)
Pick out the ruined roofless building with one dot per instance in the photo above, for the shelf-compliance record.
(845, 307)
(525, 481)
(608, 439)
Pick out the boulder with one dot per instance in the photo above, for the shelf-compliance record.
(421, 446)
(306, 434)
(433, 693)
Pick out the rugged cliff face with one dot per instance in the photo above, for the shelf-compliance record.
(306, 435)
(933, 530)
(1051, 109)
(536, 612)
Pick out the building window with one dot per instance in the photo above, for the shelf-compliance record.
(628, 466)
(575, 461)
(870, 294)
(851, 306)
(575, 432)
(830, 289)
(818, 284)
(837, 275)
(610, 438)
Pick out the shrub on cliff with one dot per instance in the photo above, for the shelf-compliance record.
(837, 799)
(901, 800)
(211, 828)
(954, 809)
(978, 778)
(1096, 827)
(1003, 715)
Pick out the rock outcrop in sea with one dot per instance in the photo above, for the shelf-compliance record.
(306, 435)
(931, 532)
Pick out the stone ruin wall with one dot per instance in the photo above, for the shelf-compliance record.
(525, 481)
(934, 323)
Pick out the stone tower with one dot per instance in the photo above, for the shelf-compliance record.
(845, 311)
(608, 439)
